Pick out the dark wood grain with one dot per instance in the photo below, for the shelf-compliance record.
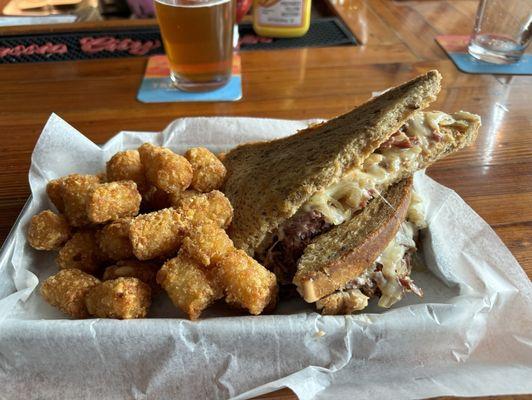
(99, 98)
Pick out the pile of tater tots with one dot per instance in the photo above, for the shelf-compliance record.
(153, 220)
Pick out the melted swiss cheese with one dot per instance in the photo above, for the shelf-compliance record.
(339, 201)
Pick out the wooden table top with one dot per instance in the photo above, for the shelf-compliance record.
(99, 98)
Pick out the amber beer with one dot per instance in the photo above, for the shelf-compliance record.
(197, 37)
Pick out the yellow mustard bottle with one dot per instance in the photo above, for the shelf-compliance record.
(281, 18)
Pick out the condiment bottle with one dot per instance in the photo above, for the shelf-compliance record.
(281, 18)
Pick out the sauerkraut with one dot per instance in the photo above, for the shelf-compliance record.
(395, 269)
(394, 266)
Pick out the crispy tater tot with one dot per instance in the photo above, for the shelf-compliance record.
(156, 234)
(208, 171)
(75, 192)
(113, 240)
(113, 200)
(67, 289)
(126, 166)
(187, 285)
(246, 282)
(54, 190)
(102, 177)
(206, 208)
(148, 151)
(154, 199)
(122, 298)
(48, 231)
(166, 170)
(206, 244)
(144, 271)
(177, 198)
(80, 252)
(270, 308)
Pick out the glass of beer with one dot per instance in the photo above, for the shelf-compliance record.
(197, 37)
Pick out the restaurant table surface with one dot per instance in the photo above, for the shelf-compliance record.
(494, 176)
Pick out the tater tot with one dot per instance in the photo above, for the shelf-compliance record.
(75, 192)
(113, 200)
(208, 171)
(54, 190)
(247, 283)
(177, 198)
(67, 289)
(48, 231)
(156, 234)
(166, 170)
(80, 252)
(113, 240)
(122, 298)
(155, 199)
(126, 166)
(206, 208)
(102, 177)
(187, 285)
(206, 243)
(148, 151)
(144, 271)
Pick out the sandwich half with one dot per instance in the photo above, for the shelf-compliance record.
(368, 256)
(289, 192)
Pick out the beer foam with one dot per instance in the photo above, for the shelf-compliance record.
(192, 4)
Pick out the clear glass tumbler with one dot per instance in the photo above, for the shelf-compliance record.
(198, 38)
(502, 30)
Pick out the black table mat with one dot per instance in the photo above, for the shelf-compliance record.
(135, 42)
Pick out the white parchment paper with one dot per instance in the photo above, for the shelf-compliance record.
(469, 336)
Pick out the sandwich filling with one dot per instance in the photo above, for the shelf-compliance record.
(401, 151)
(389, 276)
(404, 150)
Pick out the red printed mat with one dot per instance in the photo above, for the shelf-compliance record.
(79, 46)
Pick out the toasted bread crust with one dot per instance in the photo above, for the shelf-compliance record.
(343, 253)
(267, 182)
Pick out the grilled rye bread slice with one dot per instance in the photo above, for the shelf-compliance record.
(267, 182)
(342, 254)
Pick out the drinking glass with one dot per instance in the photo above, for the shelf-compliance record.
(502, 30)
(197, 37)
